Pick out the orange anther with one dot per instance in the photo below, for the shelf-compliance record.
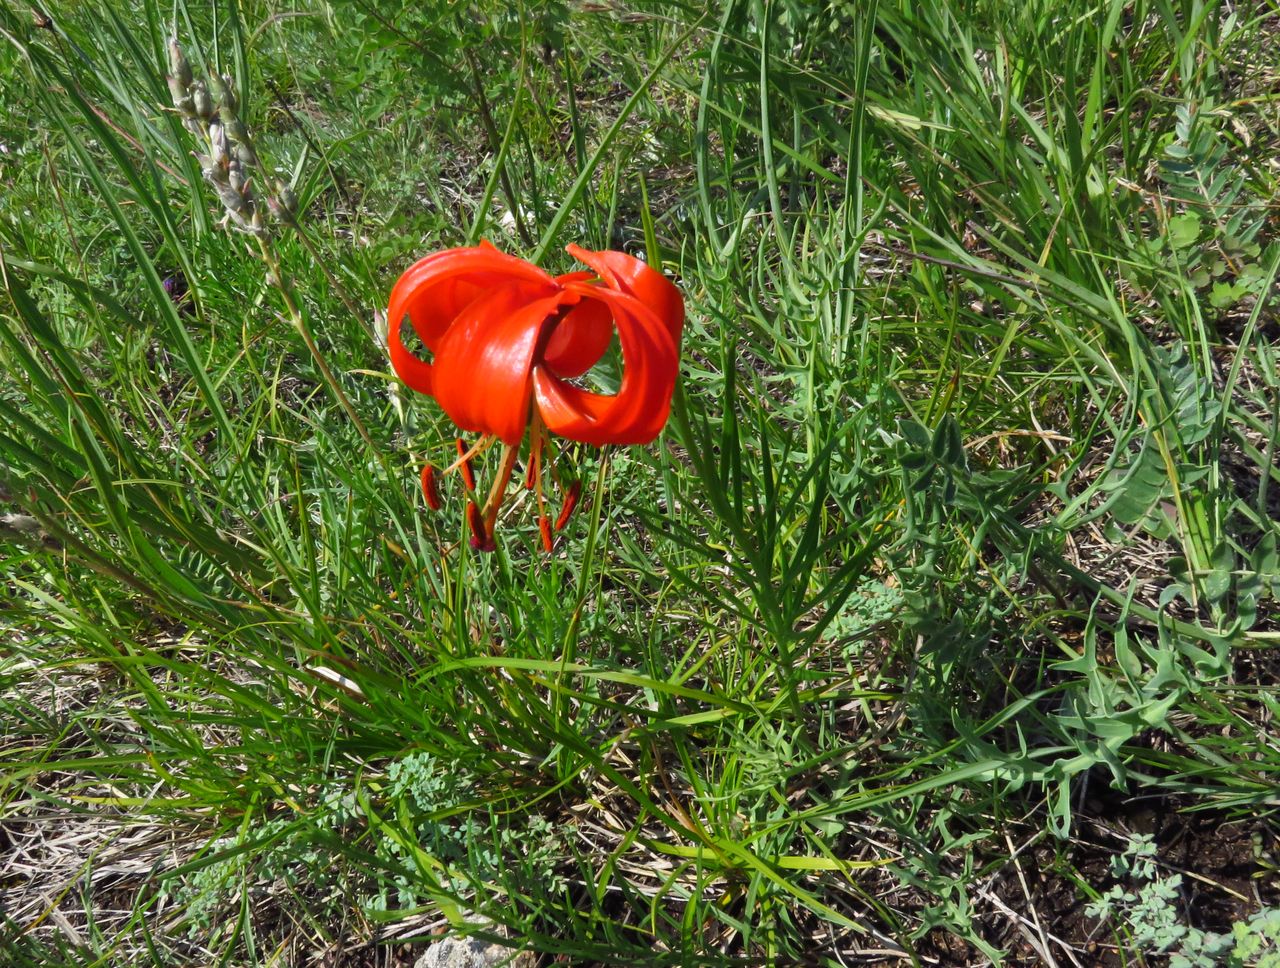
(431, 488)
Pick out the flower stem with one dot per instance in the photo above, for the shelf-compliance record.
(300, 324)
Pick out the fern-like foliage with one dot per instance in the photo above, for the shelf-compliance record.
(1214, 222)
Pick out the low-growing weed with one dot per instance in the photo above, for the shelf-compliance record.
(1147, 910)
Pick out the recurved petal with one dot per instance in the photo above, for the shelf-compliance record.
(482, 372)
(638, 411)
(434, 290)
(633, 277)
(569, 277)
(579, 340)
(414, 372)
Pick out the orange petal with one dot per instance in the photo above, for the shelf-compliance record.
(436, 289)
(569, 277)
(579, 340)
(637, 413)
(483, 365)
(631, 276)
(414, 372)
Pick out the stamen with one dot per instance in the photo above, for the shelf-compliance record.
(431, 488)
(535, 465)
(481, 540)
(570, 502)
(464, 460)
(537, 439)
(532, 470)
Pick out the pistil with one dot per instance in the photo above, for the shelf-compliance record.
(493, 503)
(537, 437)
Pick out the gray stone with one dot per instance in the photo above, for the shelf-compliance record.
(452, 952)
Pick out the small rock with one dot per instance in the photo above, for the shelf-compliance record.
(473, 953)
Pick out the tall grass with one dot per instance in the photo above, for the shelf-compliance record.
(967, 508)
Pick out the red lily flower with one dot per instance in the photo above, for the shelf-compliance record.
(507, 339)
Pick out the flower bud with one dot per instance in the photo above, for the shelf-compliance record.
(231, 199)
(203, 103)
(223, 88)
(179, 95)
(235, 177)
(178, 65)
(218, 142)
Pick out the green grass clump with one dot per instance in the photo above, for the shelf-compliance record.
(962, 543)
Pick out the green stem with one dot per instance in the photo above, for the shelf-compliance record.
(295, 315)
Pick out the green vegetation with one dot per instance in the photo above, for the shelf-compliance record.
(956, 567)
(1153, 916)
